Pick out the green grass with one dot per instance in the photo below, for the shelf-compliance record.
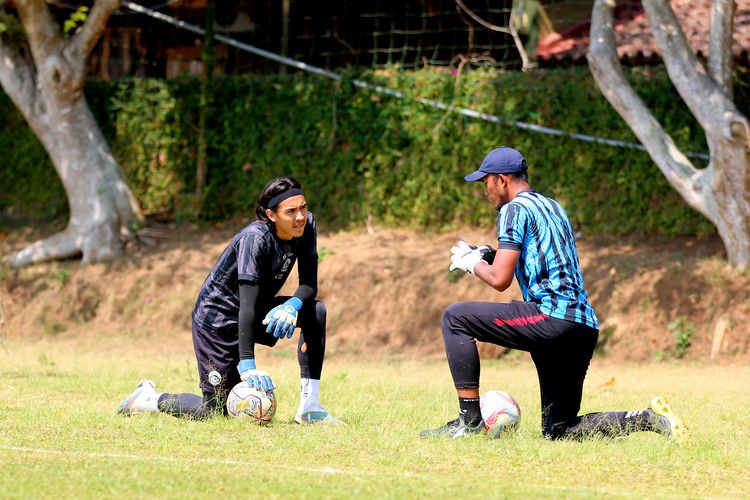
(60, 437)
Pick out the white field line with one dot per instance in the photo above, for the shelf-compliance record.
(294, 468)
(173, 459)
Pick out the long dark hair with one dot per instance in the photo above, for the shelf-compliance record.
(273, 188)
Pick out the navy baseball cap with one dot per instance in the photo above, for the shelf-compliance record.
(503, 160)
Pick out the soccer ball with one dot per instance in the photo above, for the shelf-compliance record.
(247, 402)
(500, 412)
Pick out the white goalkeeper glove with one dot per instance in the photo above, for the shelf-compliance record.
(466, 257)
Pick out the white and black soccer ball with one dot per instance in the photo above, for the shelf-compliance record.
(249, 403)
(500, 412)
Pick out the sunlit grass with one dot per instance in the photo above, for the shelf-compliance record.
(60, 437)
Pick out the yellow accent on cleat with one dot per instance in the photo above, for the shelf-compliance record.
(678, 431)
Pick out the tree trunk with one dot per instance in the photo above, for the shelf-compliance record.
(731, 196)
(45, 81)
(721, 191)
(102, 207)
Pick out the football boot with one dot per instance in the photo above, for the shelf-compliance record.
(455, 429)
(142, 399)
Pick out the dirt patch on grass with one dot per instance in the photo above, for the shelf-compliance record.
(386, 290)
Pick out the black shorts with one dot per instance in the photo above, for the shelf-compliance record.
(219, 352)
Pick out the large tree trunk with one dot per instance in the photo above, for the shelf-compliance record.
(721, 191)
(102, 208)
(731, 193)
(45, 81)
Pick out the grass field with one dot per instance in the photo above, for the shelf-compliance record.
(60, 437)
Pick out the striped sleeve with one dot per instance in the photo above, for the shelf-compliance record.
(249, 258)
(511, 227)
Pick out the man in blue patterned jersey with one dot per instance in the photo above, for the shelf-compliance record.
(555, 322)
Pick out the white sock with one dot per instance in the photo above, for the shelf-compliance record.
(309, 394)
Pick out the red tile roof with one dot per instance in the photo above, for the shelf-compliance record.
(633, 32)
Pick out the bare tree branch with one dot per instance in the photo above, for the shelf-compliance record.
(688, 75)
(608, 73)
(720, 59)
(481, 21)
(511, 30)
(84, 41)
(42, 31)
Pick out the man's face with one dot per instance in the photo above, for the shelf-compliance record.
(290, 217)
(496, 189)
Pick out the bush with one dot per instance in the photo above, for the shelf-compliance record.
(359, 154)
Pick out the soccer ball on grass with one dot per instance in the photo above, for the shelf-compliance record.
(500, 412)
(249, 403)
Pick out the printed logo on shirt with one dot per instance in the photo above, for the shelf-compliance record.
(285, 267)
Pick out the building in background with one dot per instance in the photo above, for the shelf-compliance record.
(569, 41)
(331, 34)
(381, 33)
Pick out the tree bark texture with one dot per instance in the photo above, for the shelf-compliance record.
(721, 191)
(720, 44)
(45, 80)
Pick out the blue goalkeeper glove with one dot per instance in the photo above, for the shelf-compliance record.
(254, 377)
(282, 320)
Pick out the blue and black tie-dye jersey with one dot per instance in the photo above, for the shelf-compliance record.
(548, 271)
(258, 256)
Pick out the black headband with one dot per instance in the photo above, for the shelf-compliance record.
(283, 196)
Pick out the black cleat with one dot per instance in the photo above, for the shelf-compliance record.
(455, 429)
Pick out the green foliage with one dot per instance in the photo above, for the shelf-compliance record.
(148, 140)
(604, 340)
(62, 275)
(29, 186)
(683, 333)
(324, 252)
(76, 19)
(45, 360)
(455, 275)
(360, 155)
(10, 27)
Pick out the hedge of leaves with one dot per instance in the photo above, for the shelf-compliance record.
(363, 155)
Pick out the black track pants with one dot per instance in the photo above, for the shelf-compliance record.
(561, 351)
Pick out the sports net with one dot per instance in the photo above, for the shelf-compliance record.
(332, 33)
(327, 33)
(408, 34)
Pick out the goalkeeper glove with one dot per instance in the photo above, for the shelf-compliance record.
(254, 377)
(282, 320)
(466, 257)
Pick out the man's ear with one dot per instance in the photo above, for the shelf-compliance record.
(271, 215)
